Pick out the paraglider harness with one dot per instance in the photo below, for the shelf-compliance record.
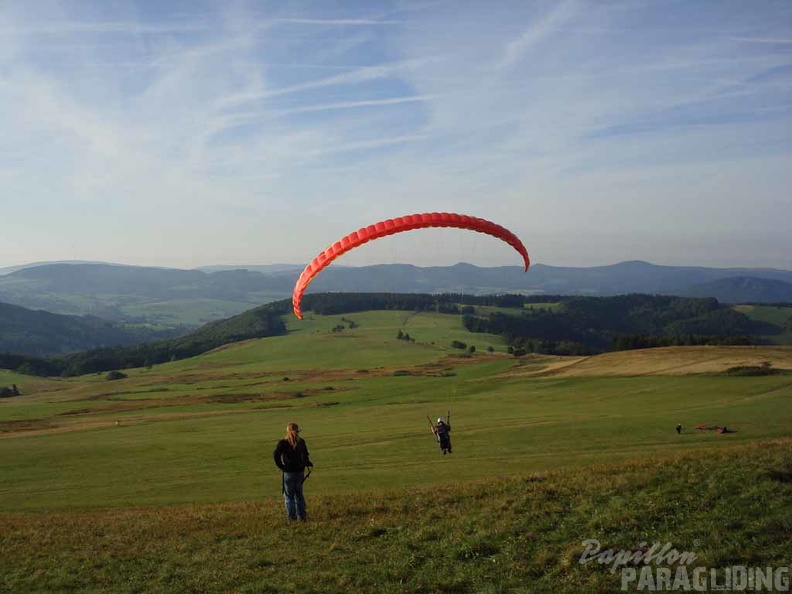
(441, 433)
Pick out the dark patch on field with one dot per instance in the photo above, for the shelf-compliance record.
(118, 405)
(781, 475)
(24, 425)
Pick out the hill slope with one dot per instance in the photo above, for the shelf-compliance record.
(40, 333)
(573, 326)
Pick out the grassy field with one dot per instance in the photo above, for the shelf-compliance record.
(520, 534)
(777, 315)
(772, 314)
(163, 481)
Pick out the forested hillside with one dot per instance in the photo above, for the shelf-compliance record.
(40, 333)
(542, 324)
(570, 324)
(256, 323)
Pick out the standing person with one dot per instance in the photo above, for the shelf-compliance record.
(679, 428)
(291, 456)
(442, 430)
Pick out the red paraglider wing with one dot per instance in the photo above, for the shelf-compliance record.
(397, 225)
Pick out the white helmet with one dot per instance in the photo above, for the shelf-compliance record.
(439, 419)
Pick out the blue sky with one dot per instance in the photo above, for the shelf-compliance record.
(185, 133)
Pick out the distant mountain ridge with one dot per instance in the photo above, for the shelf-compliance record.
(9, 269)
(742, 289)
(168, 297)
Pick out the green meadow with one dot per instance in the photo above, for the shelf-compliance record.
(167, 473)
(777, 315)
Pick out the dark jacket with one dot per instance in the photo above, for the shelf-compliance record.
(291, 459)
(442, 429)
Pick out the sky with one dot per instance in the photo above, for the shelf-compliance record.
(189, 133)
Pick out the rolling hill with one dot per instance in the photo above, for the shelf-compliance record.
(39, 333)
(573, 325)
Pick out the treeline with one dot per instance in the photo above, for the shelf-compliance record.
(451, 303)
(589, 325)
(256, 323)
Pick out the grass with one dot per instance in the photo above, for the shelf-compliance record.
(777, 315)
(523, 533)
(190, 312)
(163, 482)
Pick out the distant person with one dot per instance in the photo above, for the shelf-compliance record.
(442, 431)
(291, 456)
(679, 428)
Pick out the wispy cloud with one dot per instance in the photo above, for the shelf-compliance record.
(768, 40)
(370, 144)
(217, 129)
(122, 27)
(352, 77)
(336, 22)
(540, 30)
(237, 117)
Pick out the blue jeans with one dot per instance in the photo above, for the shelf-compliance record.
(293, 495)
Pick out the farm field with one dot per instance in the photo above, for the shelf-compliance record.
(777, 315)
(185, 448)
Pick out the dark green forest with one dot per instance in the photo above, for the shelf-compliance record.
(590, 325)
(572, 325)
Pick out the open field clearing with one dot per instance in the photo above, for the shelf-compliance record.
(664, 361)
(773, 314)
(202, 429)
(778, 315)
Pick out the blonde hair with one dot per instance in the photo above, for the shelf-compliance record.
(292, 434)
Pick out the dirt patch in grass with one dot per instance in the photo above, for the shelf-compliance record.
(80, 419)
(24, 425)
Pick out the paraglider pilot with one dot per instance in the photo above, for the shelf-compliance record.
(442, 431)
